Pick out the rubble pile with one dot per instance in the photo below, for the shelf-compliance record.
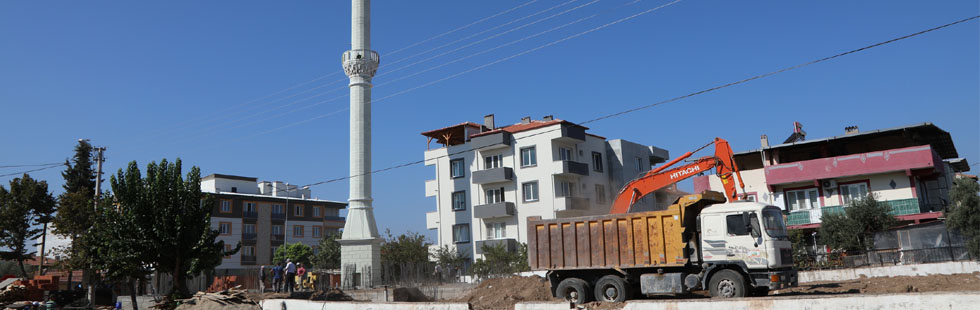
(331, 295)
(13, 293)
(229, 299)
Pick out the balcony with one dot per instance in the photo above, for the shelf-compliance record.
(509, 243)
(571, 203)
(277, 237)
(431, 188)
(571, 133)
(432, 220)
(248, 260)
(903, 159)
(249, 236)
(492, 141)
(898, 208)
(492, 210)
(495, 175)
(250, 215)
(570, 168)
(278, 216)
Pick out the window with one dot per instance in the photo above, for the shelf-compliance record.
(854, 191)
(248, 250)
(597, 161)
(496, 230)
(226, 206)
(234, 189)
(459, 201)
(736, 227)
(248, 228)
(802, 199)
(564, 154)
(530, 191)
(461, 233)
(298, 210)
(317, 231)
(316, 211)
(297, 230)
(274, 249)
(250, 207)
(316, 250)
(639, 164)
(600, 193)
(277, 229)
(492, 161)
(495, 195)
(276, 209)
(456, 168)
(565, 189)
(529, 157)
(224, 228)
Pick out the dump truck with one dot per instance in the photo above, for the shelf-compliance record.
(708, 241)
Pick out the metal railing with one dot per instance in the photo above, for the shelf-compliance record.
(881, 258)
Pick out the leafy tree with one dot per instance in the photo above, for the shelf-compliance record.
(498, 261)
(329, 256)
(76, 206)
(410, 247)
(449, 258)
(855, 228)
(123, 259)
(964, 216)
(23, 206)
(175, 217)
(296, 252)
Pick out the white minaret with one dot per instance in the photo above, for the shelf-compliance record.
(360, 245)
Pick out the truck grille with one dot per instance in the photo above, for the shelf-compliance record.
(786, 256)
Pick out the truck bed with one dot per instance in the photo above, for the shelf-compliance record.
(644, 239)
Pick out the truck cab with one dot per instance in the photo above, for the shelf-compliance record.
(750, 238)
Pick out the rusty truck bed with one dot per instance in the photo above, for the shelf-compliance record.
(644, 239)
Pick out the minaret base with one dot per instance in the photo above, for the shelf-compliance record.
(360, 263)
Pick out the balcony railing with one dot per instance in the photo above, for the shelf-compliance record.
(510, 244)
(248, 260)
(250, 214)
(278, 216)
(492, 210)
(571, 168)
(813, 216)
(495, 175)
(249, 236)
(278, 237)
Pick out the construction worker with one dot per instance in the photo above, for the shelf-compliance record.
(301, 274)
(261, 279)
(277, 278)
(290, 276)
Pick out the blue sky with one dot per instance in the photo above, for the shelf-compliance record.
(181, 79)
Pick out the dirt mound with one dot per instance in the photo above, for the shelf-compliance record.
(411, 294)
(331, 295)
(503, 293)
(933, 283)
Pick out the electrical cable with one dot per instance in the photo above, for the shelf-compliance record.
(34, 165)
(32, 170)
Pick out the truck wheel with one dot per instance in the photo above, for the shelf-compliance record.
(611, 289)
(727, 284)
(574, 290)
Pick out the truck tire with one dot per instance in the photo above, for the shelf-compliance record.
(727, 284)
(611, 289)
(574, 290)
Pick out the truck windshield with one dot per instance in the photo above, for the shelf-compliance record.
(773, 220)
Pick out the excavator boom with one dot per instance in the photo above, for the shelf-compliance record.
(661, 177)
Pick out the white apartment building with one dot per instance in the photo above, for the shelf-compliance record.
(489, 180)
(265, 215)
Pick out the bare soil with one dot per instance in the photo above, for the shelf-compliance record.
(503, 293)
(934, 283)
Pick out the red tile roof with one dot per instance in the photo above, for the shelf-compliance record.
(526, 126)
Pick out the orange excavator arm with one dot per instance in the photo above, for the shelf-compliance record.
(658, 178)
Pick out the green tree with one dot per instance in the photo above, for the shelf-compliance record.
(21, 208)
(296, 252)
(329, 255)
(123, 260)
(410, 247)
(498, 261)
(855, 228)
(175, 216)
(964, 214)
(449, 257)
(76, 206)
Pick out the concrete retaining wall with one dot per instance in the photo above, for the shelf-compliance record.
(946, 300)
(298, 304)
(890, 271)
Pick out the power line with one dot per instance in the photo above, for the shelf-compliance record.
(672, 99)
(463, 27)
(32, 170)
(34, 165)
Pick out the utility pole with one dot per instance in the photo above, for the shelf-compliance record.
(98, 174)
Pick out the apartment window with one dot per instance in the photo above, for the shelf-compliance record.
(639, 164)
(317, 231)
(496, 230)
(277, 229)
(565, 189)
(530, 191)
(600, 193)
(226, 206)
(461, 233)
(248, 250)
(297, 230)
(250, 207)
(529, 157)
(298, 210)
(224, 228)
(492, 161)
(234, 189)
(276, 209)
(802, 199)
(456, 169)
(459, 201)
(853, 192)
(597, 161)
(495, 195)
(564, 154)
(316, 250)
(248, 228)
(316, 211)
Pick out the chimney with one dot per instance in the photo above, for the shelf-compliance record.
(765, 141)
(548, 118)
(526, 120)
(850, 130)
(488, 122)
